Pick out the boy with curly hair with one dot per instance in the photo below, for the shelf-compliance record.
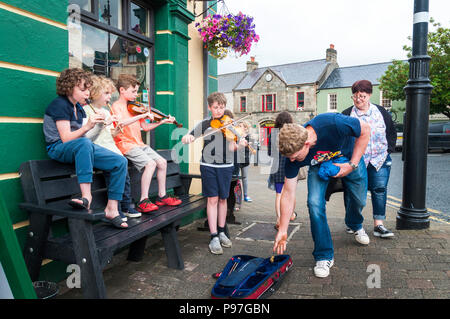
(65, 126)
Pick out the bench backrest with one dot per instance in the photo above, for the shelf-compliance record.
(47, 182)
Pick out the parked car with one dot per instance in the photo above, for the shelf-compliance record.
(438, 136)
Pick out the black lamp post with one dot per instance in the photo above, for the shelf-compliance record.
(107, 16)
(413, 213)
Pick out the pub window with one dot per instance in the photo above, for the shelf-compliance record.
(243, 103)
(300, 101)
(114, 37)
(269, 102)
(332, 102)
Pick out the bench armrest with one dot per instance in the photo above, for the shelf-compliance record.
(91, 215)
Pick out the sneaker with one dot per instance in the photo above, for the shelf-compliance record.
(322, 268)
(349, 231)
(132, 213)
(169, 201)
(361, 237)
(383, 232)
(248, 199)
(146, 206)
(224, 240)
(214, 246)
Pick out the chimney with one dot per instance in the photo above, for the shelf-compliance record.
(252, 64)
(331, 55)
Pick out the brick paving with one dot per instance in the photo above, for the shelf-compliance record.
(414, 264)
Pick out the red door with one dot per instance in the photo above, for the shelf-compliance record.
(264, 133)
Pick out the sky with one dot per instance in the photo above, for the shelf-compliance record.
(362, 31)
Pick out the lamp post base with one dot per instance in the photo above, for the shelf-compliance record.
(412, 219)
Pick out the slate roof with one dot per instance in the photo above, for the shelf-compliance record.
(291, 74)
(346, 76)
(227, 82)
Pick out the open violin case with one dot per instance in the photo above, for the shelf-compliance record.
(249, 277)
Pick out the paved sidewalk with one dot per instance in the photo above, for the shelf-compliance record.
(415, 264)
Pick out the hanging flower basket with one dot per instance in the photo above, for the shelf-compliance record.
(223, 34)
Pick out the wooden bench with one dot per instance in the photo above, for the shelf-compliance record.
(48, 185)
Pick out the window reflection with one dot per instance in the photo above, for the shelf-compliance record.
(90, 48)
(139, 17)
(110, 12)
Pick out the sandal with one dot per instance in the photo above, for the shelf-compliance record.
(77, 205)
(116, 222)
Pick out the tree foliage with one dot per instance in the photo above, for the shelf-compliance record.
(397, 74)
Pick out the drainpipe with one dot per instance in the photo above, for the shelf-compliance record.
(205, 69)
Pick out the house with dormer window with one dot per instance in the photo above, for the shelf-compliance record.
(265, 92)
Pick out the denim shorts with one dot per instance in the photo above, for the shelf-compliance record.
(216, 181)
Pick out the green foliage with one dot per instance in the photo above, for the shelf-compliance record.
(397, 74)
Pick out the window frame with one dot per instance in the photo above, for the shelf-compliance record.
(329, 102)
(150, 19)
(298, 100)
(264, 102)
(384, 99)
(243, 98)
(91, 18)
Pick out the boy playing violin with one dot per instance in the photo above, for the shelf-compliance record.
(216, 168)
(65, 126)
(131, 145)
(103, 134)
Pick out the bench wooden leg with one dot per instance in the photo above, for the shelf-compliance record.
(136, 252)
(172, 247)
(35, 244)
(87, 258)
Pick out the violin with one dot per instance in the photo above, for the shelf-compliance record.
(229, 131)
(138, 108)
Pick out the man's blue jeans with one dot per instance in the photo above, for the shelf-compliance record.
(355, 194)
(378, 181)
(87, 155)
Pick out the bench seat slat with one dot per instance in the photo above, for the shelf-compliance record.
(69, 212)
(107, 237)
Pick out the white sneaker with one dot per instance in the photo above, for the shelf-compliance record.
(214, 246)
(224, 240)
(322, 268)
(361, 237)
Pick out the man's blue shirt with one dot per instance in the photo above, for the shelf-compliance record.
(335, 132)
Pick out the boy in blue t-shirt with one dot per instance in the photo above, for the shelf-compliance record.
(302, 145)
(65, 126)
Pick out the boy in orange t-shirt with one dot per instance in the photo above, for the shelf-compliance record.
(131, 145)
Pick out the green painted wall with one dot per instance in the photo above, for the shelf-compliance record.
(26, 95)
(344, 100)
(212, 80)
(171, 79)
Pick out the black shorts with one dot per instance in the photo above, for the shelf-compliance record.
(216, 181)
